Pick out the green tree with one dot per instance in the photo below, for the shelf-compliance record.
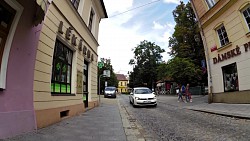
(112, 80)
(183, 70)
(147, 56)
(183, 43)
(186, 40)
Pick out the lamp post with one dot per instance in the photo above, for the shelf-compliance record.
(99, 85)
(151, 63)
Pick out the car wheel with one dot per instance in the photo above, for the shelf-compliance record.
(155, 105)
(130, 101)
(133, 104)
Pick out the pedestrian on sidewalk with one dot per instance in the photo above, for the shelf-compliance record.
(179, 93)
(188, 94)
(183, 93)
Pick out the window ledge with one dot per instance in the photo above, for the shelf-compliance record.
(248, 34)
(225, 46)
(60, 94)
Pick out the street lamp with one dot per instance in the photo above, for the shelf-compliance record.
(151, 54)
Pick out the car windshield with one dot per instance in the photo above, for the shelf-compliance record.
(143, 91)
(109, 88)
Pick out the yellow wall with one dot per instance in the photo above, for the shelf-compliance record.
(122, 86)
(227, 13)
(63, 11)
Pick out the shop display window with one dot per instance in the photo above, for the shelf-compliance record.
(62, 69)
(230, 78)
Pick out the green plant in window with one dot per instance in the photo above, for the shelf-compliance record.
(58, 66)
(64, 68)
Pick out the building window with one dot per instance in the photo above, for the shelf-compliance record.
(246, 14)
(210, 3)
(91, 18)
(230, 76)
(7, 14)
(62, 69)
(75, 3)
(222, 34)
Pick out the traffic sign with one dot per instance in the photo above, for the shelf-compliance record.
(100, 64)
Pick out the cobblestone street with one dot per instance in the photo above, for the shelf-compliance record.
(170, 120)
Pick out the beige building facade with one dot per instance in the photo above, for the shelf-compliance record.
(65, 74)
(225, 30)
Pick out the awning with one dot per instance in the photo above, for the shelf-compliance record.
(42, 6)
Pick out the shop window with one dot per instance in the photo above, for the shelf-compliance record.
(91, 18)
(75, 3)
(230, 76)
(246, 14)
(210, 3)
(62, 69)
(222, 34)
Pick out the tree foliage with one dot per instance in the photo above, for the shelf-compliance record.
(112, 80)
(186, 47)
(183, 43)
(183, 70)
(147, 56)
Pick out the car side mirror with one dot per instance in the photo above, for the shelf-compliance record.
(131, 93)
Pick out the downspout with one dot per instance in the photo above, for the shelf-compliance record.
(210, 93)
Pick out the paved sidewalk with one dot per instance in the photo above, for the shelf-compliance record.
(103, 123)
(200, 103)
(233, 110)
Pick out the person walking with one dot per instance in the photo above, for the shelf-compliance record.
(179, 93)
(183, 92)
(188, 94)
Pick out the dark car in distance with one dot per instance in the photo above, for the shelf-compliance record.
(110, 92)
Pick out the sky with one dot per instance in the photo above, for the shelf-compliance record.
(151, 20)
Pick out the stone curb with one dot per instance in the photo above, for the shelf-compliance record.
(219, 113)
(131, 127)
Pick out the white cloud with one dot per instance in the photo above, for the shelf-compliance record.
(117, 41)
(117, 6)
(172, 1)
(158, 25)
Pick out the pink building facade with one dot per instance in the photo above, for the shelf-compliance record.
(19, 33)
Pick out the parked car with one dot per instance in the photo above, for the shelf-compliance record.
(110, 92)
(142, 96)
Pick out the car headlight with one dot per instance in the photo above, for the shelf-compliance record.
(136, 98)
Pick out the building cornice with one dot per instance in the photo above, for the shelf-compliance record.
(219, 8)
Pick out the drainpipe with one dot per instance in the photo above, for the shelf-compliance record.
(210, 93)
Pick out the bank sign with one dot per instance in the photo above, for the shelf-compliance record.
(231, 53)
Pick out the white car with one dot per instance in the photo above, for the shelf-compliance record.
(142, 96)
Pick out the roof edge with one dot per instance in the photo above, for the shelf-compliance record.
(104, 9)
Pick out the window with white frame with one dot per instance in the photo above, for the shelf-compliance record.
(222, 34)
(10, 13)
(91, 19)
(210, 3)
(246, 14)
